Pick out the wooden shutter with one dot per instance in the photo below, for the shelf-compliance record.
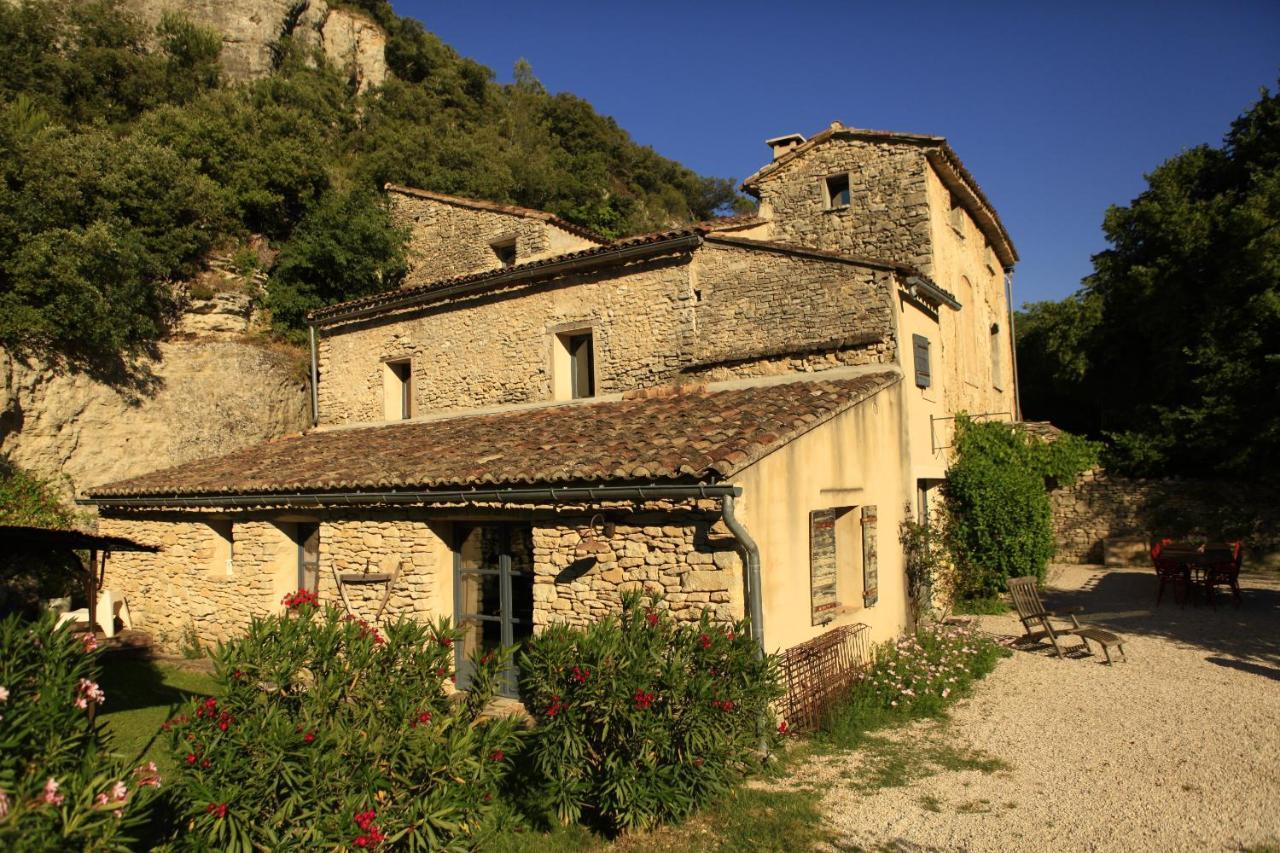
(870, 570)
(823, 580)
(920, 350)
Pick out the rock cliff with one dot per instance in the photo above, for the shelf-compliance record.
(249, 28)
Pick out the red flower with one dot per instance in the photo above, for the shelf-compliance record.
(447, 642)
(362, 841)
(364, 820)
(497, 755)
(309, 736)
(237, 675)
(730, 633)
(705, 640)
(555, 707)
(191, 758)
(205, 764)
(651, 618)
(440, 671)
(220, 809)
(581, 675)
(642, 699)
(783, 728)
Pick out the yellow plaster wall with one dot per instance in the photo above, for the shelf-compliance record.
(856, 459)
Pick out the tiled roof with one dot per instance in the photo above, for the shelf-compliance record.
(498, 207)
(941, 155)
(684, 437)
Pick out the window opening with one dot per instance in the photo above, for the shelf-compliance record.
(837, 191)
(506, 252)
(399, 391)
(307, 535)
(575, 366)
(493, 593)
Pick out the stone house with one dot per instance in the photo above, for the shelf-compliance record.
(736, 414)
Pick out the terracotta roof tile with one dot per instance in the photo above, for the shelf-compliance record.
(700, 435)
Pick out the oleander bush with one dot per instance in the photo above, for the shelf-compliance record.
(61, 788)
(641, 720)
(918, 675)
(331, 734)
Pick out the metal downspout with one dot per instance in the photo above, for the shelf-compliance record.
(315, 379)
(752, 552)
(1013, 344)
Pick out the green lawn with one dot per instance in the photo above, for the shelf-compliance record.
(141, 695)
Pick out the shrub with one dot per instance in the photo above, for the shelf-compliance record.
(999, 522)
(915, 676)
(332, 733)
(641, 720)
(60, 788)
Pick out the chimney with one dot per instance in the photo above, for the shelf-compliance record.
(782, 144)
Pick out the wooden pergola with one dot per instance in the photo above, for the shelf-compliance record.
(14, 539)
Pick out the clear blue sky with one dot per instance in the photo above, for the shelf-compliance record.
(1057, 109)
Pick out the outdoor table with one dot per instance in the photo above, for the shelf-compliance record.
(1194, 560)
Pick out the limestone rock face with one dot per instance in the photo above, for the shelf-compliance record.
(249, 28)
(209, 397)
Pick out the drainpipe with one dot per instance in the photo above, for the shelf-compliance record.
(752, 552)
(315, 379)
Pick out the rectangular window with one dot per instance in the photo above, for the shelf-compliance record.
(397, 390)
(307, 535)
(920, 352)
(957, 217)
(574, 369)
(223, 547)
(989, 256)
(837, 191)
(997, 380)
(505, 251)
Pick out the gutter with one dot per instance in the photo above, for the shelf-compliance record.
(1013, 344)
(595, 258)
(568, 494)
(755, 597)
(932, 292)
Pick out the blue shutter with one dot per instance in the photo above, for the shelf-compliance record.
(920, 350)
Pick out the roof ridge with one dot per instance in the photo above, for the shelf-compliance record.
(499, 207)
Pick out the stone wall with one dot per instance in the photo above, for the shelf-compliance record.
(651, 321)
(888, 214)
(689, 560)
(447, 240)
(1100, 506)
(378, 544)
(184, 587)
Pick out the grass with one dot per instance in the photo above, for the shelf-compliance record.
(141, 696)
(894, 763)
(991, 605)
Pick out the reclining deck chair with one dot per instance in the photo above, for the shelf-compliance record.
(1031, 610)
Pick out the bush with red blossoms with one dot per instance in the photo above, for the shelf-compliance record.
(642, 720)
(60, 786)
(332, 733)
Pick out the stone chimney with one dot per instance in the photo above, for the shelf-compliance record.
(782, 144)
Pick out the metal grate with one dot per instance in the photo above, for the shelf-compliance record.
(818, 672)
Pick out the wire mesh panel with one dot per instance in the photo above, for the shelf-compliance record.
(818, 672)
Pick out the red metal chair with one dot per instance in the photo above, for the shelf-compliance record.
(1170, 570)
(1224, 570)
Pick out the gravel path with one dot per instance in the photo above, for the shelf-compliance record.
(1178, 749)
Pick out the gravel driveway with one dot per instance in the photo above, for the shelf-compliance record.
(1178, 749)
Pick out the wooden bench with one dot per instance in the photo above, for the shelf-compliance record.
(1106, 639)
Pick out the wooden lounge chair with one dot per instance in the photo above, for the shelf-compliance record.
(1038, 625)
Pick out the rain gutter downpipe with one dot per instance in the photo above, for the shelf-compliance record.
(315, 379)
(752, 552)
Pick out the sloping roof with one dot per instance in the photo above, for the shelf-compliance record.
(940, 154)
(497, 207)
(695, 436)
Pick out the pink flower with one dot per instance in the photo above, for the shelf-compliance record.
(51, 794)
(4, 805)
(148, 776)
(90, 641)
(4, 694)
(88, 691)
(119, 791)
(101, 799)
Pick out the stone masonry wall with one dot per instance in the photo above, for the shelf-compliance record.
(378, 544)
(446, 240)
(180, 588)
(650, 321)
(579, 575)
(1100, 506)
(888, 214)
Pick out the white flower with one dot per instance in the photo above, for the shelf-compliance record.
(51, 794)
(4, 694)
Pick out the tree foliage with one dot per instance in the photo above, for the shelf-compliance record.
(1172, 348)
(998, 519)
(126, 159)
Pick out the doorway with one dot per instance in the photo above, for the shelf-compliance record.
(493, 592)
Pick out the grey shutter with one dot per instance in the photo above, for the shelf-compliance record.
(920, 350)
(870, 569)
(824, 595)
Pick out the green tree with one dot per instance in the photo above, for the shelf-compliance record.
(1173, 347)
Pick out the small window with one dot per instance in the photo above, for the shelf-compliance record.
(397, 389)
(223, 548)
(575, 366)
(837, 191)
(957, 217)
(920, 352)
(989, 256)
(997, 380)
(506, 252)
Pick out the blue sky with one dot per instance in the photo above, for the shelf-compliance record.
(1057, 109)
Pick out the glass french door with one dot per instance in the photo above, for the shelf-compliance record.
(493, 592)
